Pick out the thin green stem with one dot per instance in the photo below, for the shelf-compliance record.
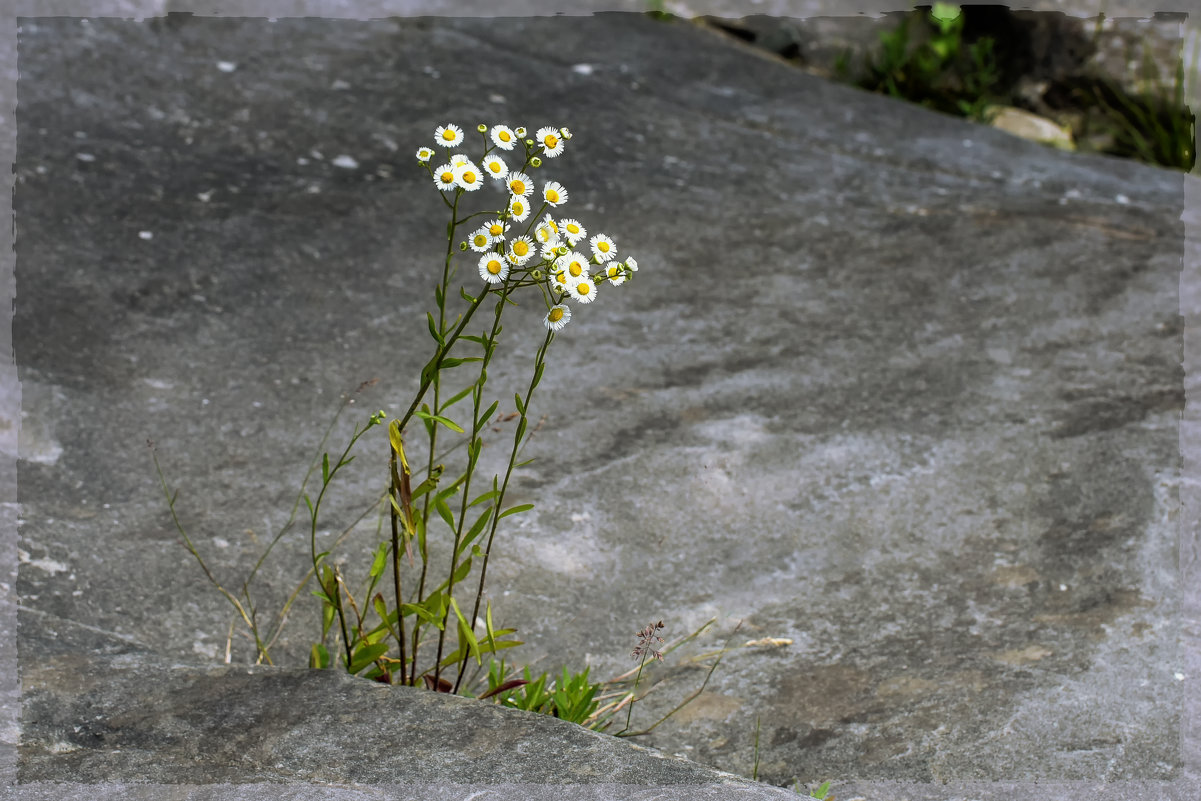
(539, 365)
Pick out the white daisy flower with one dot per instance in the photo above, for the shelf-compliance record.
(495, 167)
(573, 264)
(559, 281)
(566, 134)
(449, 135)
(504, 137)
(631, 264)
(444, 177)
(546, 234)
(518, 208)
(520, 184)
(458, 160)
(493, 268)
(554, 193)
(496, 229)
(573, 231)
(603, 248)
(581, 289)
(520, 250)
(614, 272)
(424, 154)
(549, 252)
(521, 131)
(480, 240)
(550, 140)
(469, 177)
(557, 317)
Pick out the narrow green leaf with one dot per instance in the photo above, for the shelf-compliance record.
(421, 612)
(308, 503)
(487, 496)
(465, 633)
(450, 362)
(513, 510)
(486, 416)
(429, 317)
(365, 655)
(325, 468)
(537, 375)
(438, 296)
(488, 626)
(520, 405)
(424, 414)
(319, 656)
(444, 511)
(466, 391)
(473, 338)
(462, 571)
(523, 464)
(380, 561)
(476, 528)
(380, 607)
(327, 619)
(521, 426)
(465, 296)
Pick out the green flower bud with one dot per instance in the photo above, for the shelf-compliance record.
(462, 246)
(529, 142)
(535, 162)
(536, 275)
(482, 128)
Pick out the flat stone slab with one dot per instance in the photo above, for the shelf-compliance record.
(899, 393)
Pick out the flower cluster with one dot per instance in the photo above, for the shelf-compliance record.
(550, 252)
(646, 639)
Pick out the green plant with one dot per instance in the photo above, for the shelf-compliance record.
(1153, 125)
(418, 628)
(941, 73)
(820, 792)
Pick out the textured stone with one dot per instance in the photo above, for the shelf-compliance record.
(899, 389)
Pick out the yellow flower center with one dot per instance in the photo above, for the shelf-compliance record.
(480, 240)
(551, 141)
(469, 177)
(521, 248)
(612, 272)
(448, 177)
(495, 267)
(583, 288)
(603, 247)
(518, 187)
(575, 269)
(518, 208)
(504, 136)
(552, 196)
(556, 314)
(561, 278)
(448, 135)
(496, 230)
(572, 228)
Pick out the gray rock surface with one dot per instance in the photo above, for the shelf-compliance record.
(899, 389)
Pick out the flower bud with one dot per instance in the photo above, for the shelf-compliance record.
(536, 275)
(530, 142)
(462, 246)
(482, 128)
(535, 162)
(520, 131)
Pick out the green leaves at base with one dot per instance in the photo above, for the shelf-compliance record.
(364, 655)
